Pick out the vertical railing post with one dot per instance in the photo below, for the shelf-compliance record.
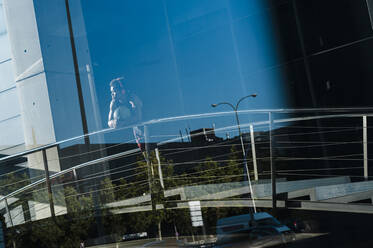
(245, 163)
(75, 175)
(160, 174)
(272, 163)
(365, 146)
(146, 154)
(253, 151)
(10, 219)
(76, 181)
(7, 210)
(151, 180)
(47, 181)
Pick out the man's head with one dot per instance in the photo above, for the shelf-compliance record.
(117, 88)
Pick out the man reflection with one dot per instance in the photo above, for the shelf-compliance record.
(125, 108)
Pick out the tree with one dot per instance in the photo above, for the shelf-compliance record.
(62, 231)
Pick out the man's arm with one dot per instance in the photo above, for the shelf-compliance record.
(137, 107)
(111, 122)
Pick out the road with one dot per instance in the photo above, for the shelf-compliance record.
(301, 239)
(168, 242)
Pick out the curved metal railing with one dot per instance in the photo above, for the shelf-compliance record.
(267, 120)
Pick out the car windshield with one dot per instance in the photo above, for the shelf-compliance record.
(262, 232)
(268, 222)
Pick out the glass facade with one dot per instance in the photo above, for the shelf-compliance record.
(174, 123)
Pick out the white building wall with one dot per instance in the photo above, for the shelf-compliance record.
(11, 131)
(29, 72)
(32, 88)
(45, 77)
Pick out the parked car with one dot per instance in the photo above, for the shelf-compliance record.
(241, 231)
(134, 236)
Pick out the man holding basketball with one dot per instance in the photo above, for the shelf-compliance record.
(125, 108)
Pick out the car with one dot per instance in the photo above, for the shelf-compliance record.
(241, 231)
(257, 237)
(134, 236)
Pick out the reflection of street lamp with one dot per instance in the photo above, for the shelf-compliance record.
(235, 108)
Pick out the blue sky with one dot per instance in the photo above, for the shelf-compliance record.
(180, 56)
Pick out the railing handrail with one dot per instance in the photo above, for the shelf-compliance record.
(187, 117)
(259, 123)
(60, 173)
(120, 154)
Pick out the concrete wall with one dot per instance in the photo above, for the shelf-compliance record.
(42, 60)
(44, 69)
(11, 132)
(31, 84)
(29, 73)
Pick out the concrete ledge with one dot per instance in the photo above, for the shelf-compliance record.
(343, 190)
(265, 190)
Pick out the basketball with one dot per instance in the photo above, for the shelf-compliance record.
(122, 113)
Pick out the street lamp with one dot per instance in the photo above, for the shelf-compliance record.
(235, 108)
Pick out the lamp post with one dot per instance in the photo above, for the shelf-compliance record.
(235, 109)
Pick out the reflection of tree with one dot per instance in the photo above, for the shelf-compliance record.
(112, 224)
(155, 189)
(11, 182)
(210, 171)
(62, 231)
(139, 185)
(218, 175)
(80, 221)
(107, 191)
(67, 230)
